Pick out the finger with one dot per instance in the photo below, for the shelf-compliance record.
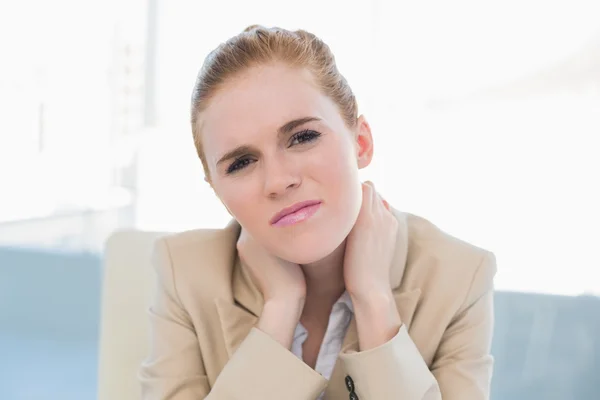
(386, 204)
(379, 204)
(381, 201)
(372, 193)
(375, 197)
(367, 193)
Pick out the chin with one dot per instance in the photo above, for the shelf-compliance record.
(310, 249)
(316, 241)
(306, 257)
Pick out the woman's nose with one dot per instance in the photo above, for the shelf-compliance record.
(280, 176)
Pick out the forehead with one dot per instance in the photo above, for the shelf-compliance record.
(257, 103)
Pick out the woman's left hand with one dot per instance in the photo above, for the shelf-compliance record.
(370, 247)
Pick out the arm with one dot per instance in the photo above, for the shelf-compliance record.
(463, 363)
(461, 369)
(262, 368)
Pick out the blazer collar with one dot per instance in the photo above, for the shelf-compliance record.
(238, 317)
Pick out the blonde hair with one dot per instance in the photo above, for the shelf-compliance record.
(258, 45)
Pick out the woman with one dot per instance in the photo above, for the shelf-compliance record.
(317, 288)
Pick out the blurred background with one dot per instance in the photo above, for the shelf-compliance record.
(486, 120)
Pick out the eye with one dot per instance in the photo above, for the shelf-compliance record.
(239, 164)
(304, 136)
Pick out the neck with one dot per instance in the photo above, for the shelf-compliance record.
(325, 278)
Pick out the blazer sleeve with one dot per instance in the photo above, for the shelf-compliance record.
(174, 370)
(462, 367)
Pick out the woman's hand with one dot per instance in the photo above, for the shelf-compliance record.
(277, 279)
(282, 285)
(370, 247)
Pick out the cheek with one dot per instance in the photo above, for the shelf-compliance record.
(336, 172)
(237, 196)
(335, 167)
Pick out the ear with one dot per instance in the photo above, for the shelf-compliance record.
(364, 143)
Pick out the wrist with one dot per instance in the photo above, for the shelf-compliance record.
(286, 308)
(279, 319)
(377, 319)
(372, 299)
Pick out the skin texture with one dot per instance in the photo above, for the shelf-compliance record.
(302, 269)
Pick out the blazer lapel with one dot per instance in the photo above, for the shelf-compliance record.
(240, 313)
(236, 323)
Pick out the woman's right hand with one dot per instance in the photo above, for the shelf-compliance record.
(282, 285)
(277, 279)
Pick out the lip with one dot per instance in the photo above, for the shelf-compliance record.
(292, 209)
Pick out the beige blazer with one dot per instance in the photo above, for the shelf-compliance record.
(204, 344)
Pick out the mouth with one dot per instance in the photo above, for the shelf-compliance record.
(296, 213)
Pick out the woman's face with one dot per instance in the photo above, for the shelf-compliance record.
(272, 140)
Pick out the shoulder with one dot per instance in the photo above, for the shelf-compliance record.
(197, 260)
(198, 240)
(425, 239)
(452, 270)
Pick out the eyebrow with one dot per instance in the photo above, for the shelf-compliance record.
(290, 126)
(282, 131)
